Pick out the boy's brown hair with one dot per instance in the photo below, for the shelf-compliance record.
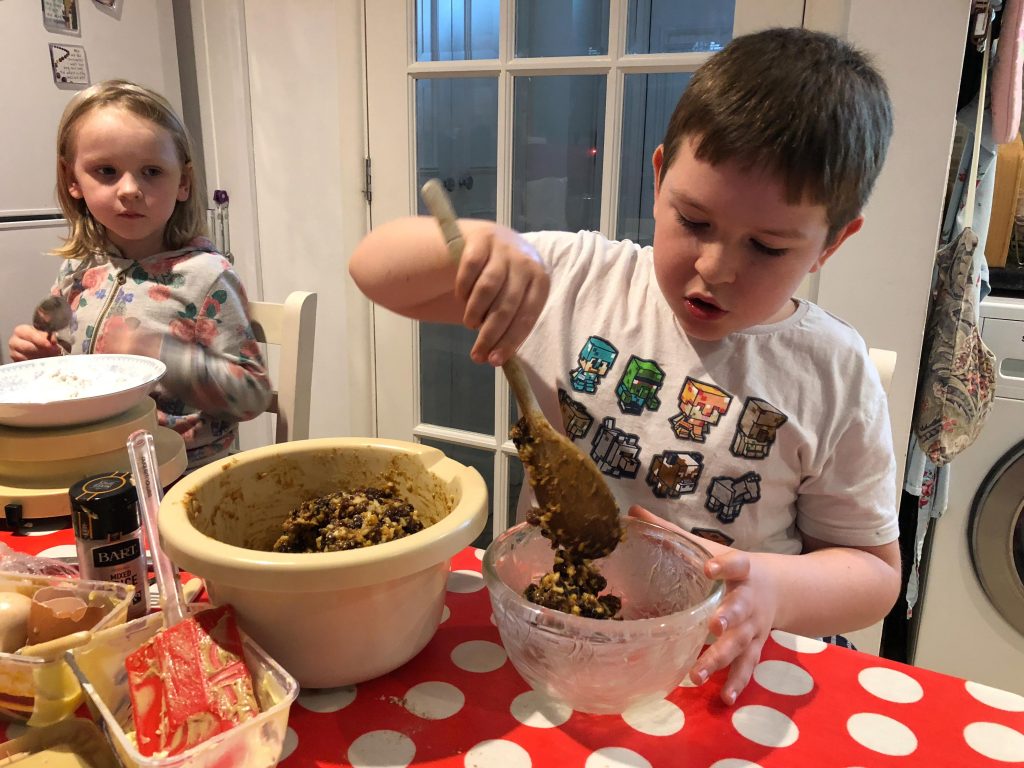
(85, 234)
(804, 105)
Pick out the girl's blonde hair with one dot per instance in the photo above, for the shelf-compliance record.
(85, 234)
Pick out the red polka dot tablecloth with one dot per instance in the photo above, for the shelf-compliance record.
(461, 704)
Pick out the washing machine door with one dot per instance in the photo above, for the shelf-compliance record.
(996, 533)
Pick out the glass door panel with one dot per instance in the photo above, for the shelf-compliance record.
(557, 149)
(509, 104)
(647, 104)
(456, 30)
(457, 142)
(561, 28)
(679, 26)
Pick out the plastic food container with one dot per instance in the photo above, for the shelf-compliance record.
(40, 690)
(256, 743)
(329, 618)
(73, 743)
(605, 666)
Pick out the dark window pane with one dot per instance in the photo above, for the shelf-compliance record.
(454, 391)
(457, 141)
(679, 26)
(557, 150)
(648, 102)
(455, 30)
(561, 28)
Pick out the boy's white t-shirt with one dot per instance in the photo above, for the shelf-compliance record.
(747, 441)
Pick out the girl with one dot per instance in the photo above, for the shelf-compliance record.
(140, 276)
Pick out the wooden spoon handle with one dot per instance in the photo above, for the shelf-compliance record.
(523, 391)
(435, 197)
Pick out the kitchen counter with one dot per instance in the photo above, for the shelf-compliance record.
(460, 703)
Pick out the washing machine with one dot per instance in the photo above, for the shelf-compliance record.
(970, 619)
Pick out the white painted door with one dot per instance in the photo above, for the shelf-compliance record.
(540, 114)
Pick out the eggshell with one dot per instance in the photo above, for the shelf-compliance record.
(14, 612)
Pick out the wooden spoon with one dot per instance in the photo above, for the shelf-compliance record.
(578, 510)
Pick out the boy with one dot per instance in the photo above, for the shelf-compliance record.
(712, 400)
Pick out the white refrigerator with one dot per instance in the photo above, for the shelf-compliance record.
(131, 39)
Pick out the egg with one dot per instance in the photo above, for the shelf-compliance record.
(14, 612)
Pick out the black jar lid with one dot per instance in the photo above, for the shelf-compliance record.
(104, 506)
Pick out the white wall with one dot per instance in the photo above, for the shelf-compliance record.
(281, 96)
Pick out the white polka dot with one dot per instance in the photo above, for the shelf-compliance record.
(536, 710)
(381, 749)
(765, 726)
(734, 762)
(30, 532)
(890, 684)
(291, 742)
(995, 741)
(783, 678)
(1004, 700)
(615, 757)
(327, 699)
(479, 554)
(497, 753)
(478, 656)
(881, 734)
(658, 718)
(798, 643)
(61, 550)
(465, 581)
(434, 700)
(446, 613)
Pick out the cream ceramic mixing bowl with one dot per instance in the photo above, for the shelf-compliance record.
(605, 666)
(329, 618)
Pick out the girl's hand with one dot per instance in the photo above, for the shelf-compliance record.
(743, 619)
(504, 285)
(28, 343)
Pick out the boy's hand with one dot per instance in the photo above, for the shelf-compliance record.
(504, 285)
(744, 618)
(28, 343)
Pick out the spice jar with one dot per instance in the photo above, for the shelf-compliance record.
(108, 534)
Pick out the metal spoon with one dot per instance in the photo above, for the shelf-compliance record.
(578, 510)
(53, 314)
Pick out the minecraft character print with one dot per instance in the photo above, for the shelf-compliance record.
(755, 433)
(596, 358)
(700, 407)
(727, 495)
(639, 385)
(616, 453)
(674, 473)
(575, 417)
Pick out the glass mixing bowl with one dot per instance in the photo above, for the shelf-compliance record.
(605, 666)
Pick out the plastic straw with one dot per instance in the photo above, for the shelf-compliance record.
(142, 455)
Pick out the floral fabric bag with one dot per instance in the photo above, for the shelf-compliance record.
(958, 370)
(957, 382)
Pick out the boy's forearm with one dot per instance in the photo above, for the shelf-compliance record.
(404, 265)
(834, 589)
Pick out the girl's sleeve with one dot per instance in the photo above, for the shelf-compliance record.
(223, 373)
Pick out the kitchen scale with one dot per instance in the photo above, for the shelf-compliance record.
(39, 465)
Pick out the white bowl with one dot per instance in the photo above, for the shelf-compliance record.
(74, 389)
(329, 618)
